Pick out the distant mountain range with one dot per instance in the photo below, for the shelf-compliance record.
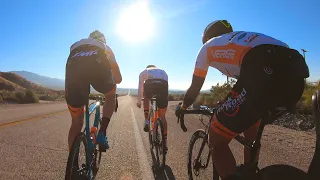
(13, 82)
(58, 84)
(52, 83)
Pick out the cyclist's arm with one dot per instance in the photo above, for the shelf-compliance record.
(114, 66)
(116, 72)
(199, 75)
(140, 86)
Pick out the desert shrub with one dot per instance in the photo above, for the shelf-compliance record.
(170, 97)
(47, 97)
(8, 96)
(217, 93)
(304, 106)
(20, 96)
(30, 97)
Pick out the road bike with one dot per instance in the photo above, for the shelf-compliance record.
(197, 163)
(87, 138)
(156, 136)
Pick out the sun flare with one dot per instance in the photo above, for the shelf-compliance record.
(136, 22)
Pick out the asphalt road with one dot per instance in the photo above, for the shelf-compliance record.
(33, 144)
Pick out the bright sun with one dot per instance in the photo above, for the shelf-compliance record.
(136, 22)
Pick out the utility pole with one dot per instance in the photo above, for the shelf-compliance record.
(304, 56)
(304, 53)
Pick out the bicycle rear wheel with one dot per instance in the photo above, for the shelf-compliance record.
(159, 144)
(74, 169)
(96, 160)
(150, 131)
(199, 161)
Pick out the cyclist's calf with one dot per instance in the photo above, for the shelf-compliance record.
(222, 156)
(146, 107)
(110, 104)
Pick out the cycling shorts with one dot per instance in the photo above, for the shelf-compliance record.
(83, 71)
(270, 76)
(157, 87)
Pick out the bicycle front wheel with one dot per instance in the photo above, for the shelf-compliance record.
(199, 158)
(160, 144)
(77, 159)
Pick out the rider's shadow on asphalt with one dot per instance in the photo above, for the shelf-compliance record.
(165, 174)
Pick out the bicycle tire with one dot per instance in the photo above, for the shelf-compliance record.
(97, 154)
(199, 134)
(96, 160)
(72, 157)
(150, 132)
(161, 145)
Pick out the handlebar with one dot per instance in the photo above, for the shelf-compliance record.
(102, 100)
(193, 111)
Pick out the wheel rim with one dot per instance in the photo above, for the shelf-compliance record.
(79, 170)
(198, 168)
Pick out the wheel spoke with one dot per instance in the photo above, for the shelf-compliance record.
(199, 162)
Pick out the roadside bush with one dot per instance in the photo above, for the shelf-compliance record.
(47, 97)
(30, 97)
(178, 97)
(8, 96)
(304, 106)
(170, 97)
(20, 97)
(217, 93)
(175, 97)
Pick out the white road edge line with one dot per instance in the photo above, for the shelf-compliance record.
(142, 155)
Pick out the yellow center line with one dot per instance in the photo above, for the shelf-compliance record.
(29, 119)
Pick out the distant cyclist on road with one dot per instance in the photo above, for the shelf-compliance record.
(153, 81)
(91, 62)
(268, 74)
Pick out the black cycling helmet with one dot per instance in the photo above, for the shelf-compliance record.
(216, 28)
(151, 66)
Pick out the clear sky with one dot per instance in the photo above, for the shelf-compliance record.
(36, 35)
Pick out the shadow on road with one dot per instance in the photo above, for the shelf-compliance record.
(161, 174)
(165, 174)
(278, 172)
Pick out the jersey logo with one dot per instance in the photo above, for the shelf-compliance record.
(229, 54)
(231, 106)
(226, 54)
(85, 53)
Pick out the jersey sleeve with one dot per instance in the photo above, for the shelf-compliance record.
(202, 64)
